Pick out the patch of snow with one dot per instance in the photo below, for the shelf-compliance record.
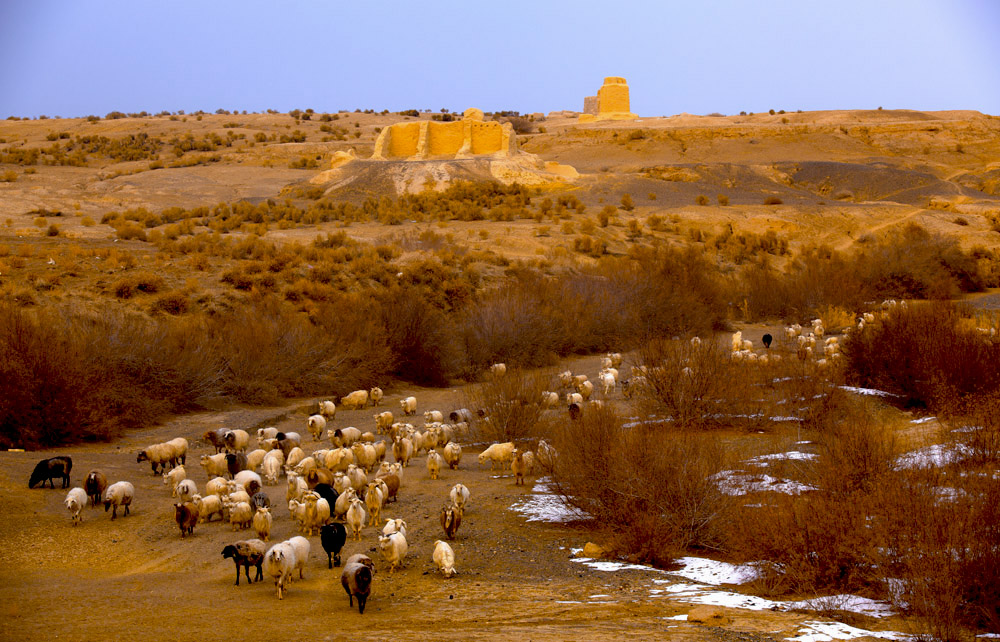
(702, 594)
(845, 602)
(789, 418)
(709, 571)
(923, 420)
(679, 618)
(871, 392)
(545, 506)
(988, 635)
(792, 455)
(814, 631)
(968, 429)
(933, 456)
(735, 483)
(608, 566)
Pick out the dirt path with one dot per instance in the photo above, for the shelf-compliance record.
(136, 579)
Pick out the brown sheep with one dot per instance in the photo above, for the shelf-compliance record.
(186, 515)
(451, 519)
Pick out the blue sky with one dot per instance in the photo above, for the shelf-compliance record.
(74, 58)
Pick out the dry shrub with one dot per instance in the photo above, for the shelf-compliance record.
(509, 405)
(132, 284)
(651, 487)
(940, 550)
(926, 356)
(419, 337)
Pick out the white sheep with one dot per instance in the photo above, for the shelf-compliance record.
(549, 399)
(608, 382)
(158, 455)
(279, 562)
(186, 489)
(302, 548)
(433, 415)
(453, 455)
(244, 477)
(272, 467)
(266, 434)
(434, 462)
(737, 341)
(375, 394)
(355, 401)
(574, 397)
(409, 405)
(179, 447)
(402, 450)
(215, 465)
(444, 558)
(393, 549)
(316, 425)
(460, 496)
(207, 506)
(240, 515)
(357, 477)
(616, 359)
(344, 502)
(255, 458)
(565, 378)
(119, 494)
(75, 500)
(297, 511)
(355, 518)
(317, 513)
(262, 523)
(383, 422)
(343, 437)
(498, 370)
(338, 459)
(297, 487)
(237, 440)
(546, 455)
(294, 457)
(394, 526)
(173, 477)
(498, 454)
(365, 455)
(328, 409)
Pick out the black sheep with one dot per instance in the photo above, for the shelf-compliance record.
(245, 554)
(327, 492)
(235, 462)
(260, 500)
(766, 340)
(49, 469)
(333, 536)
(357, 581)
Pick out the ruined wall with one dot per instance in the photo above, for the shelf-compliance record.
(468, 137)
(591, 105)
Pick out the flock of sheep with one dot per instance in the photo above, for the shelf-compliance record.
(332, 492)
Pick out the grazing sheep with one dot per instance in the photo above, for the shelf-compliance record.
(207, 506)
(328, 409)
(451, 519)
(158, 456)
(434, 462)
(517, 467)
(433, 415)
(574, 398)
(95, 484)
(355, 518)
(302, 548)
(376, 394)
(453, 455)
(246, 553)
(460, 496)
(244, 477)
(262, 523)
(186, 489)
(316, 425)
(49, 469)
(172, 477)
(462, 414)
(374, 499)
(402, 450)
(217, 438)
(186, 515)
(236, 462)
(356, 579)
(409, 406)
(333, 537)
(498, 370)
(214, 465)
(355, 401)
(279, 562)
(75, 500)
(119, 494)
(444, 557)
(498, 454)
(344, 502)
(317, 513)
(585, 389)
(294, 457)
(240, 515)
(272, 466)
(383, 422)
(550, 399)
(393, 548)
(255, 458)
(236, 440)
(217, 486)
(344, 437)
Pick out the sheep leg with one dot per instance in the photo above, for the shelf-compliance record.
(237, 571)
(260, 572)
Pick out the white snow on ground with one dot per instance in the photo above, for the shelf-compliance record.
(871, 392)
(545, 506)
(923, 420)
(813, 631)
(708, 571)
(608, 566)
(930, 457)
(845, 602)
(792, 455)
(733, 482)
(703, 594)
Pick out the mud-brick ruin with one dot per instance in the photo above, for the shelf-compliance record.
(610, 103)
(467, 138)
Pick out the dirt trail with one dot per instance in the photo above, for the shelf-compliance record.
(136, 579)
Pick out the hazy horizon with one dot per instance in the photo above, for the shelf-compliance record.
(75, 59)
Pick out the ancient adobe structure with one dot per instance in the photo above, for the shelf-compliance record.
(610, 103)
(470, 137)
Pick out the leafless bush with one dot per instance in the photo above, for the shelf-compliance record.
(652, 487)
(509, 404)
